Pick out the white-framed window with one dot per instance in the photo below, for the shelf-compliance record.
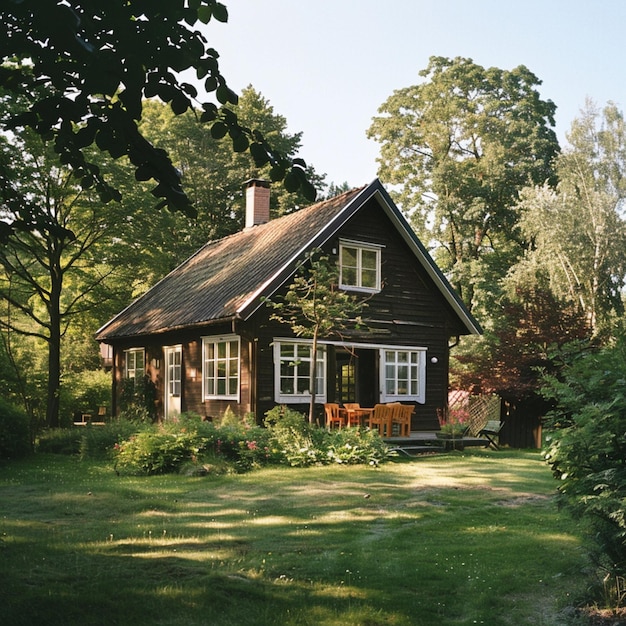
(292, 371)
(359, 266)
(174, 374)
(135, 364)
(221, 367)
(403, 374)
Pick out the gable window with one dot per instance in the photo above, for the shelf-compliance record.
(359, 266)
(292, 371)
(134, 364)
(403, 375)
(221, 370)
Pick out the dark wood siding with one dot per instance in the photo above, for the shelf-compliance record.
(410, 311)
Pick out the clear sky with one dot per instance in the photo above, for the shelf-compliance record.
(327, 65)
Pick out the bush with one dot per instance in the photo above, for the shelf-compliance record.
(192, 446)
(15, 440)
(299, 444)
(156, 451)
(97, 442)
(59, 441)
(586, 445)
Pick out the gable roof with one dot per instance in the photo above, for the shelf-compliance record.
(227, 278)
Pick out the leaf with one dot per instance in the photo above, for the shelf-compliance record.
(180, 103)
(219, 130)
(240, 143)
(277, 172)
(259, 154)
(220, 12)
(204, 14)
(291, 182)
(226, 95)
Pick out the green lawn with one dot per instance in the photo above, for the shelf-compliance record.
(471, 538)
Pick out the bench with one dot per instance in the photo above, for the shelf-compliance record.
(491, 431)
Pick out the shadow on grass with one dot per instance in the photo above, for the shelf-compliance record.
(438, 540)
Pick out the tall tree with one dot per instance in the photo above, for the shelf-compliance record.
(584, 250)
(87, 68)
(37, 265)
(460, 145)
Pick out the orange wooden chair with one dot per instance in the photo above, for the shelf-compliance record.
(401, 418)
(353, 415)
(334, 415)
(381, 419)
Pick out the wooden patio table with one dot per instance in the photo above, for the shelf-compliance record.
(358, 417)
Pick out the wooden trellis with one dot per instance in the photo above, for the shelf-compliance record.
(474, 410)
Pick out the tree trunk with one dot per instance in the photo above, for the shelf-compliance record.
(54, 350)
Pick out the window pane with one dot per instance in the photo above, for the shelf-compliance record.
(348, 276)
(348, 256)
(349, 266)
(303, 384)
(304, 352)
(368, 259)
(368, 279)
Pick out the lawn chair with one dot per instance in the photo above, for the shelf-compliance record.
(491, 431)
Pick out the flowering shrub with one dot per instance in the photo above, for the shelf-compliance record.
(454, 421)
(287, 439)
(356, 446)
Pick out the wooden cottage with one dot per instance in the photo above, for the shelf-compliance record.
(203, 339)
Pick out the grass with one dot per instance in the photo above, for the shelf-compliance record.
(467, 538)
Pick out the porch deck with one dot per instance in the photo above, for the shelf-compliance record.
(421, 442)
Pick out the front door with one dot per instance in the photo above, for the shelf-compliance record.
(357, 376)
(173, 380)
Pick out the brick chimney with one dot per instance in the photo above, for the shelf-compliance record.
(257, 202)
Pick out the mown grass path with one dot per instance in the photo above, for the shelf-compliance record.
(464, 538)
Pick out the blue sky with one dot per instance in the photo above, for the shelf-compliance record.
(327, 65)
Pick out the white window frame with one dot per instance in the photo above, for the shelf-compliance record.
(132, 372)
(360, 247)
(400, 366)
(209, 372)
(321, 372)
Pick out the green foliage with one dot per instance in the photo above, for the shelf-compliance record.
(583, 253)
(460, 145)
(586, 445)
(300, 444)
(137, 399)
(60, 441)
(190, 445)
(156, 451)
(15, 436)
(98, 442)
(84, 391)
(112, 61)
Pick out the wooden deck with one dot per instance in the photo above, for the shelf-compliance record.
(424, 442)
